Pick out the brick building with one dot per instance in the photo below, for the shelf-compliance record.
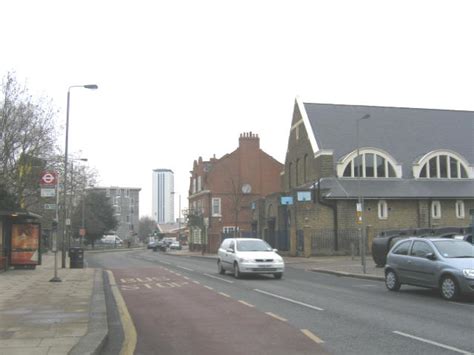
(222, 190)
(412, 168)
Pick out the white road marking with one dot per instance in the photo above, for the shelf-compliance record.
(289, 300)
(197, 282)
(186, 278)
(185, 268)
(247, 304)
(276, 316)
(312, 336)
(218, 278)
(433, 343)
(208, 287)
(224, 294)
(165, 262)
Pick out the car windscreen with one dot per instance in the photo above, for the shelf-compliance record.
(454, 248)
(253, 245)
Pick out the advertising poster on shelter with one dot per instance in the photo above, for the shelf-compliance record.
(25, 244)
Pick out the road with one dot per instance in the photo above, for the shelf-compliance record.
(181, 305)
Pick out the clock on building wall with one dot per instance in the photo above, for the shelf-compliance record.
(246, 188)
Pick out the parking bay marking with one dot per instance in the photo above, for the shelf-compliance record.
(288, 299)
(432, 342)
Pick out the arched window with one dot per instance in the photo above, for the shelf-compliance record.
(460, 209)
(370, 163)
(441, 165)
(436, 210)
(382, 209)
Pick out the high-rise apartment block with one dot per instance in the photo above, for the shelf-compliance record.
(163, 196)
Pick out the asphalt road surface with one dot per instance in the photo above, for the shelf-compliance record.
(181, 305)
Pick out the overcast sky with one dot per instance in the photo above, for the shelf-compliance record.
(181, 79)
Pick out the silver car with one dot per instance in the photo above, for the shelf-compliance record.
(249, 256)
(444, 264)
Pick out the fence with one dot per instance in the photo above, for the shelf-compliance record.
(323, 242)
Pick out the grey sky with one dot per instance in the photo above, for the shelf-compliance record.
(182, 79)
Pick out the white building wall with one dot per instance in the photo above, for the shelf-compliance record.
(163, 197)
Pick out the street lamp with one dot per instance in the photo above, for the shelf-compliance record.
(360, 208)
(89, 86)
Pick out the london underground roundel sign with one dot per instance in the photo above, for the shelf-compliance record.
(48, 178)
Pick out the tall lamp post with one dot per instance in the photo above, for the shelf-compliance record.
(360, 204)
(63, 248)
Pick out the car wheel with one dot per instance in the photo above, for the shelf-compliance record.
(278, 275)
(220, 268)
(391, 281)
(237, 273)
(449, 288)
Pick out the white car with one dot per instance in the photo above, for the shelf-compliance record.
(249, 256)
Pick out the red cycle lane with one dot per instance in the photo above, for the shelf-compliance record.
(174, 315)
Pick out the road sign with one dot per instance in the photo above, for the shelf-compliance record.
(48, 192)
(48, 178)
(49, 206)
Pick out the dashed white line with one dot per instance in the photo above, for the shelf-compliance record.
(247, 304)
(289, 300)
(312, 336)
(219, 278)
(276, 316)
(185, 268)
(432, 343)
(208, 287)
(224, 294)
(196, 282)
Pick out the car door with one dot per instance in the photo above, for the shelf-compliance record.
(398, 260)
(422, 269)
(228, 255)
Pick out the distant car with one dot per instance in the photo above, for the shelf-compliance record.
(440, 263)
(151, 244)
(249, 256)
(175, 245)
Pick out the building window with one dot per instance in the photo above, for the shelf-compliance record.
(369, 164)
(436, 210)
(305, 168)
(460, 209)
(199, 181)
(194, 185)
(289, 175)
(442, 165)
(216, 207)
(297, 132)
(297, 167)
(382, 209)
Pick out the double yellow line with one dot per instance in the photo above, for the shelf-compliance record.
(129, 331)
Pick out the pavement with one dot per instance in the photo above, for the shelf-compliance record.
(38, 316)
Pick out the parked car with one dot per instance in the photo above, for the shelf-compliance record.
(439, 263)
(384, 241)
(151, 244)
(465, 237)
(176, 245)
(249, 256)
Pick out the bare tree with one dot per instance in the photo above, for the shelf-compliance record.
(27, 140)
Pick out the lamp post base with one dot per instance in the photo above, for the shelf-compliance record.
(55, 279)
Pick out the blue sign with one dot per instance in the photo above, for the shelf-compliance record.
(303, 195)
(286, 200)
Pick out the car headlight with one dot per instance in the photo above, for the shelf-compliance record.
(279, 261)
(245, 260)
(468, 273)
